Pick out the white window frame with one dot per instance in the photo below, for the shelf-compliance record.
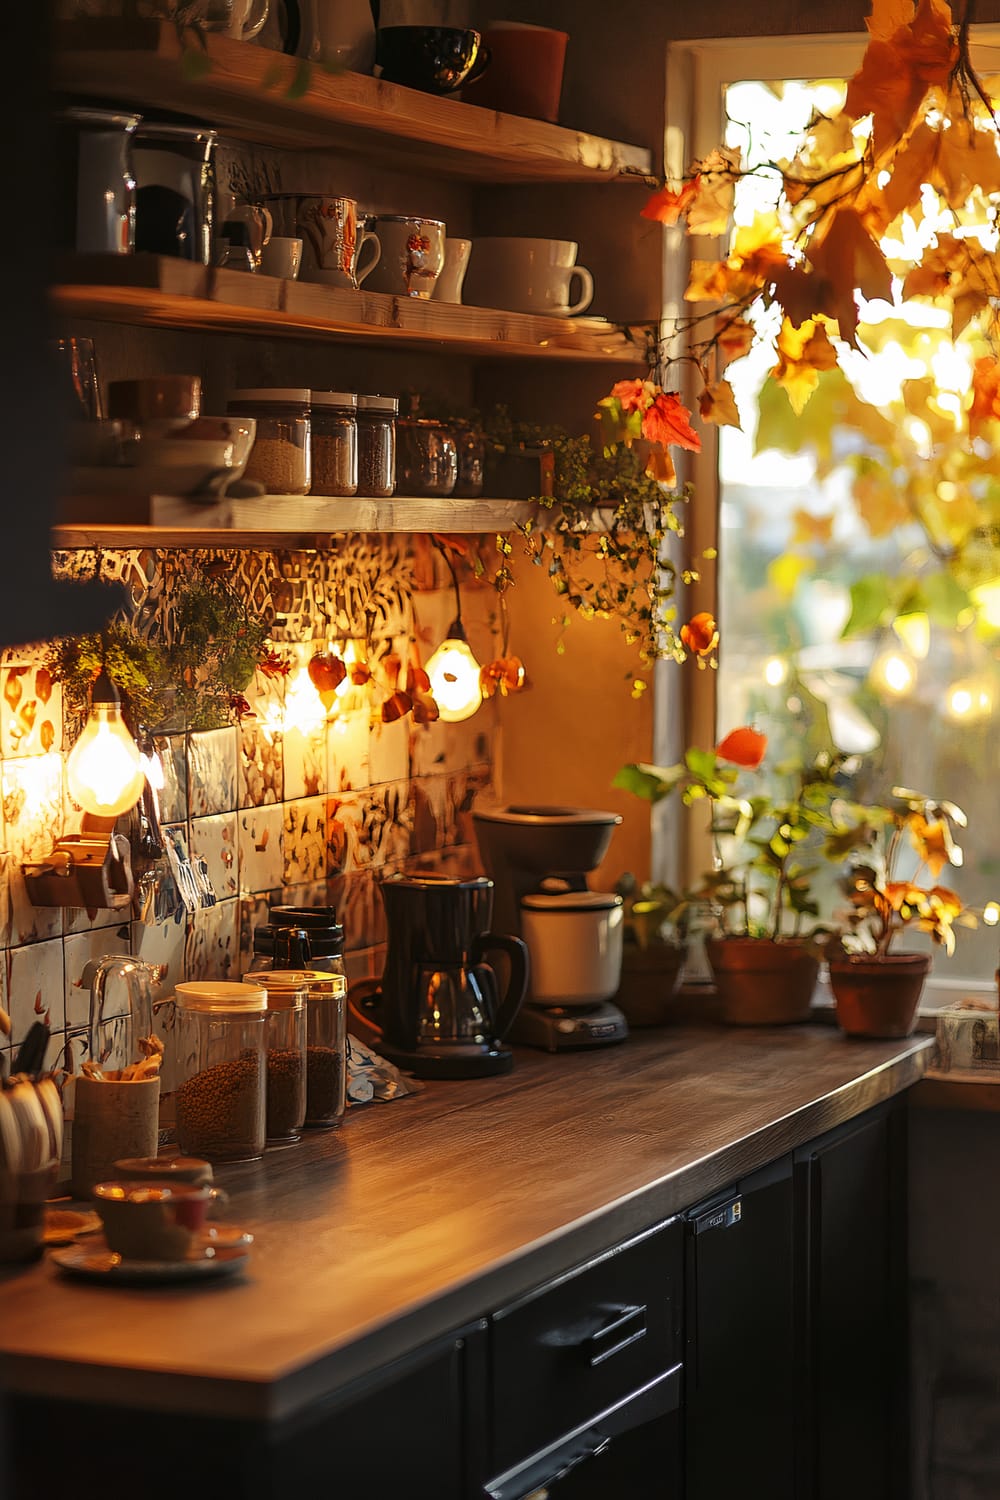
(698, 73)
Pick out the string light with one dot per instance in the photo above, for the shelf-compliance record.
(104, 769)
(453, 670)
(893, 674)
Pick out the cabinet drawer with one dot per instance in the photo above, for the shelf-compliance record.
(578, 1345)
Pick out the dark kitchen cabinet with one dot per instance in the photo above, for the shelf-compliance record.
(851, 1189)
(740, 1380)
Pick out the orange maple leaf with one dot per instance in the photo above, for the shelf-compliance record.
(666, 206)
(940, 266)
(897, 70)
(668, 422)
(743, 747)
(634, 395)
(718, 404)
(733, 337)
(717, 281)
(985, 393)
(849, 260)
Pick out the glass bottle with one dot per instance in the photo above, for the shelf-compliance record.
(219, 1100)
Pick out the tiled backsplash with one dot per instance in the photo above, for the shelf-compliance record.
(304, 817)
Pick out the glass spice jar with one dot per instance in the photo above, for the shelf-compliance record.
(286, 991)
(471, 447)
(377, 445)
(279, 458)
(326, 1050)
(428, 457)
(219, 1099)
(334, 443)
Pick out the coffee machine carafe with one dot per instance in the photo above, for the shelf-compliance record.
(438, 1010)
(538, 858)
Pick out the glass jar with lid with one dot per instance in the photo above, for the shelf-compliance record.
(427, 457)
(286, 991)
(334, 443)
(471, 446)
(279, 459)
(377, 445)
(326, 1050)
(219, 1099)
(299, 937)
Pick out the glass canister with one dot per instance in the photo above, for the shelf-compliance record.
(377, 445)
(174, 172)
(279, 459)
(94, 198)
(286, 991)
(312, 931)
(326, 1050)
(427, 462)
(220, 1095)
(334, 443)
(471, 447)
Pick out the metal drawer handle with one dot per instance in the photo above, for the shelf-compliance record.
(630, 1323)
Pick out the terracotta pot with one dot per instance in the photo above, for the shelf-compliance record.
(878, 997)
(649, 979)
(763, 981)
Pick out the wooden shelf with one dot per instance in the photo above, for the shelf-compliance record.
(245, 92)
(157, 291)
(286, 521)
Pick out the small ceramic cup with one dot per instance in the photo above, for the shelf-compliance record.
(412, 255)
(154, 1220)
(448, 287)
(282, 256)
(165, 1169)
(338, 249)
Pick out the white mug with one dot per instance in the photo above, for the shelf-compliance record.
(412, 255)
(335, 241)
(282, 256)
(528, 275)
(448, 287)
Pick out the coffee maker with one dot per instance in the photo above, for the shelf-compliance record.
(438, 1010)
(538, 859)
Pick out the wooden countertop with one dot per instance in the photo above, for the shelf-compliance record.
(423, 1213)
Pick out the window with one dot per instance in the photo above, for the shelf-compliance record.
(805, 507)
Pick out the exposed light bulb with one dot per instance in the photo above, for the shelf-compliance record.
(454, 677)
(104, 769)
(968, 701)
(893, 674)
(304, 708)
(775, 671)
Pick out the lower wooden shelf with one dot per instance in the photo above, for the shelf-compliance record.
(287, 521)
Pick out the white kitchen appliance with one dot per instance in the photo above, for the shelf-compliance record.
(538, 859)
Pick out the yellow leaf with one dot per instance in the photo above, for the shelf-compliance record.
(733, 337)
(880, 504)
(660, 465)
(718, 405)
(715, 281)
(808, 529)
(784, 572)
(802, 353)
(967, 158)
(711, 211)
(912, 166)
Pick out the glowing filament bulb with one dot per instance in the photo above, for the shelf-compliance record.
(454, 677)
(104, 768)
(893, 674)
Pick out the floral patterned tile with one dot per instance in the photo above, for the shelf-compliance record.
(429, 748)
(173, 796)
(27, 923)
(211, 772)
(33, 979)
(32, 805)
(89, 919)
(79, 951)
(161, 945)
(348, 751)
(212, 948)
(260, 835)
(304, 842)
(433, 822)
(389, 751)
(30, 711)
(356, 901)
(304, 763)
(214, 840)
(371, 829)
(463, 790)
(261, 770)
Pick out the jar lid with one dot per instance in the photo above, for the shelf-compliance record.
(571, 901)
(295, 394)
(323, 986)
(334, 398)
(378, 403)
(220, 996)
(284, 989)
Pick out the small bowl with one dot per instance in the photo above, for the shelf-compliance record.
(165, 1169)
(175, 463)
(434, 59)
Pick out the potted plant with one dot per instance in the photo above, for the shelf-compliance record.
(768, 943)
(876, 986)
(652, 949)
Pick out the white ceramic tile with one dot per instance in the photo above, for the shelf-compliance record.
(211, 772)
(172, 797)
(347, 751)
(214, 840)
(304, 841)
(32, 805)
(261, 769)
(212, 948)
(28, 923)
(34, 982)
(82, 949)
(304, 763)
(261, 834)
(389, 751)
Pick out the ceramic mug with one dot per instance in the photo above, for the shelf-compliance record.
(448, 287)
(257, 220)
(154, 1220)
(282, 256)
(528, 275)
(412, 255)
(525, 75)
(334, 242)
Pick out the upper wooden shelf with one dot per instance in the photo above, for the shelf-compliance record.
(245, 92)
(289, 522)
(159, 291)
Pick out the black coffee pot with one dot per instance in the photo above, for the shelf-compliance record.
(438, 1010)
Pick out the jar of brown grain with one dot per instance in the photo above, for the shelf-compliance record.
(286, 991)
(334, 443)
(280, 457)
(219, 1100)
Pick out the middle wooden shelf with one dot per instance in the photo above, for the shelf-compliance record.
(157, 291)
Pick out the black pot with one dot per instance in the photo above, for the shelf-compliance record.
(435, 59)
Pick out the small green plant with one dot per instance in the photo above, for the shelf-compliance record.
(654, 913)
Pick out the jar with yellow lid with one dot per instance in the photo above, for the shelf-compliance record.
(219, 1100)
(326, 1050)
(286, 991)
